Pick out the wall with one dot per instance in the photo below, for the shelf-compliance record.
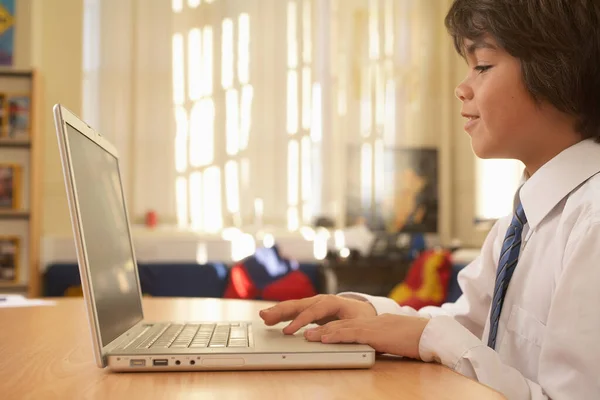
(50, 42)
(49, 38)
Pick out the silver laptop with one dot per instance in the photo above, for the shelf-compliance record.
(122, 339)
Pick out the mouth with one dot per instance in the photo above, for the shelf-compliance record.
(471, 121)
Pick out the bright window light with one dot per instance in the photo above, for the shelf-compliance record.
(306, 169)
(181, 140)
(389, 125)
(293, 219)
(307, 213)
(201, 133)
(195, 64)
(379, 171)
(181, 120)
(232, 121)
(245, 115)
(389, 27)
(374, 29)
(316, 131)
(497, 183)
(379, 96)
(196, 200)
(339, 239)
(306, 32)
(292, 34)
(306, 97)
(293, 172)
(207, 61)
(320, 246)
(243, 60)
(366, 105)
(366, 174)
(227, 54)
(245, 172)
(232, 187)
(177, 5)
(181, 150)
(242, 246)
(292, 102)
(206, 145)
(201, 253)
(178, 70)
(182, 204)
(268, 241)
(213, 219)
(194, 3)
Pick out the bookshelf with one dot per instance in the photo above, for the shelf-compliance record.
(20, 183)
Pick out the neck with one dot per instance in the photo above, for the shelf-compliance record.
(547, 152)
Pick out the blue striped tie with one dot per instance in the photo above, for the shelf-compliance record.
(509, 256)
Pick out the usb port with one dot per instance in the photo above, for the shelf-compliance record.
(137, 363)
(160, 362)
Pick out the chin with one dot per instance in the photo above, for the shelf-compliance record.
(485, 150)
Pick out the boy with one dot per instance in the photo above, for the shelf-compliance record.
(528, 322)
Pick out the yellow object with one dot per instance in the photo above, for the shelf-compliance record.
(6, 20)
(430, 287)
(74, 291)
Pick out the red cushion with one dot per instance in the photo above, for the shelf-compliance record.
(295, 285)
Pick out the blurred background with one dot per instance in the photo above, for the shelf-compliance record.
(324, 130)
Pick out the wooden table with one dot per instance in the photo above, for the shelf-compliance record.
(46, 353)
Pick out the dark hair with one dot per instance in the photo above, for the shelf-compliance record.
(557, 42)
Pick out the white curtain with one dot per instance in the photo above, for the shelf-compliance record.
(373, 74)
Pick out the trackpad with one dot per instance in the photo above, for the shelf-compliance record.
(223, 362)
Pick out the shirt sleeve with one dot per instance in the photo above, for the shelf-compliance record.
(569, 366)
(476, 281)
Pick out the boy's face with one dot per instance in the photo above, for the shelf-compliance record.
(502, 117)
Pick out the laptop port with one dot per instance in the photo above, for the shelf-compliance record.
(137, 363)
(160, 362)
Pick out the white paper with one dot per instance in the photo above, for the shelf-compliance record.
(16, 300)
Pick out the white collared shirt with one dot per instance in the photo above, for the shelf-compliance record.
(548, 342)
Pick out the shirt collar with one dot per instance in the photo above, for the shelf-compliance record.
(557, 178)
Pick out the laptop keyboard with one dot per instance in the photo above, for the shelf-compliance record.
(196, 336)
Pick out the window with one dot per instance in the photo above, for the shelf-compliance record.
(303, 118)
(211, 179)
(496, 184)
(378, 105)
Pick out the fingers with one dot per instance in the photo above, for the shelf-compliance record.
(351, 332)
(316, 334)
(286, 310)
(349, 335)
(321, 309)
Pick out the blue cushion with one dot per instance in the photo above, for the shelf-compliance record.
(173, 280)
(184, 280)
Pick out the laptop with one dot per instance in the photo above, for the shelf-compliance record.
(122, 339)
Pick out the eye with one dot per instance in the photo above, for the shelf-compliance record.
(482, 68)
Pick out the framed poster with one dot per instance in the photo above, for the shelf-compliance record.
(399, 192)
(7, 31)
(18, 110)
(10, 186)
(9, 259)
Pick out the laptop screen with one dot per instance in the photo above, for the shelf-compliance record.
(106, 234)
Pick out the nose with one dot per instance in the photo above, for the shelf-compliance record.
(464, 91)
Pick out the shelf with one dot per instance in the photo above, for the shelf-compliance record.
(16, 73)
(22, 143)
(14, 214)
(13, 285)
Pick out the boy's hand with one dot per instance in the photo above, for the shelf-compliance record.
(318, 309)
(393, 334)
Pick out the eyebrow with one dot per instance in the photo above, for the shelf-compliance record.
(479, 44)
